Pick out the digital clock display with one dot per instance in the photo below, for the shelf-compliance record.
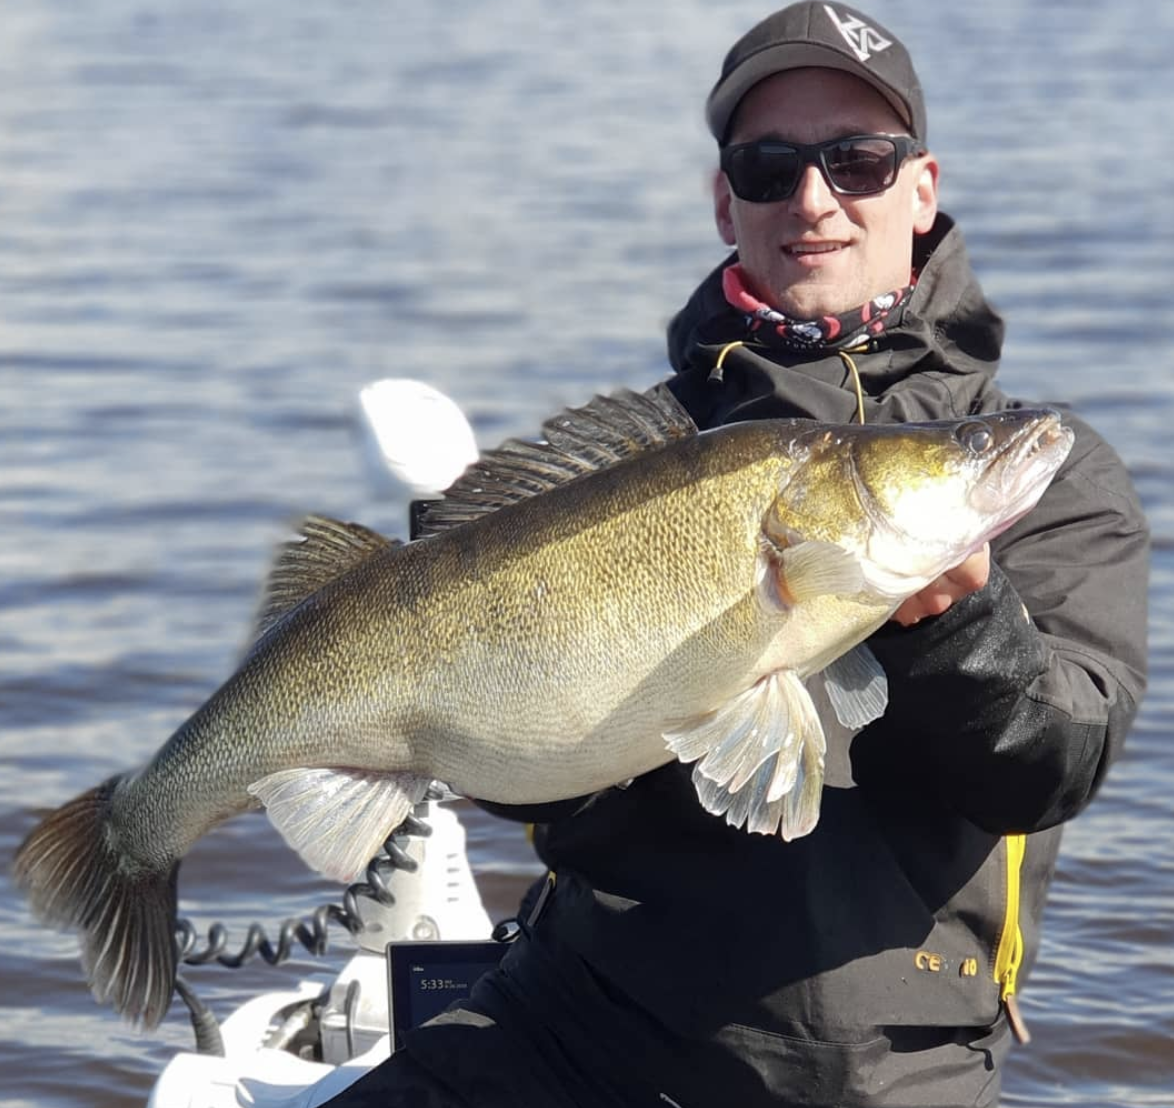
(425, 978)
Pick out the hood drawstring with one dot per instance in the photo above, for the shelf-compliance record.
(848, 360)
(717, 374)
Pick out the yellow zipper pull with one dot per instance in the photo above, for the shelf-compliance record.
(1009, 952)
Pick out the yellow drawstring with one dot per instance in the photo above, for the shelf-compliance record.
(715, 374)
(851, 364)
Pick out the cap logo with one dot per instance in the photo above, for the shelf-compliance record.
(863, 39)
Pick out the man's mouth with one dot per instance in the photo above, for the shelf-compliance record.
(802, 249)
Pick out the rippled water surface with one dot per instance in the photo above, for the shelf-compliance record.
(218, 220)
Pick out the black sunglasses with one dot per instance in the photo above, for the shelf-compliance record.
(859, 165)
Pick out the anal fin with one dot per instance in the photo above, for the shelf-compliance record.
(337, 819)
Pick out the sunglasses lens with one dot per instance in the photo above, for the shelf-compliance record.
(861, 166)
(762, 172)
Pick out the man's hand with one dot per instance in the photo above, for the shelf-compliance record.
(966, 577)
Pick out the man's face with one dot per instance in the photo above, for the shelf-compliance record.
(818, 253)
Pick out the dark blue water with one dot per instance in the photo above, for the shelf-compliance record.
(218, 220)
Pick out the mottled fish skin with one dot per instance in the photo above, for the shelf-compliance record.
(580, 614)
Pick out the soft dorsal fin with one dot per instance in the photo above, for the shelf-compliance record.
(326, 549)
(577, 441)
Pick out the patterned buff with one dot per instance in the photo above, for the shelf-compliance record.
(831, 332)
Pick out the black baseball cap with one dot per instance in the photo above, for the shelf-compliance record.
(830, 36)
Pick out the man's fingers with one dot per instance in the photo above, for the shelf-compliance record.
(970, 575)
(938, 596)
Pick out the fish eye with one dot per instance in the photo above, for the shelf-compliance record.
(975, 436)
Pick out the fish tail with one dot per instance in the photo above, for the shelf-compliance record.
(77, 875)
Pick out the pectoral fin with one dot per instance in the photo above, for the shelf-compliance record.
(857, 687)
(759, 757)
(337, 819)
(802, 571)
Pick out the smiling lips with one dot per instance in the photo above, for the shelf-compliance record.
(806, 249)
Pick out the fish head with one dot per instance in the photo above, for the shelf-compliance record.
(912, 500)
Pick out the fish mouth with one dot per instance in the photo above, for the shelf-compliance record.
(1016, 477)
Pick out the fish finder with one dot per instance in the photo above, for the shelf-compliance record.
(424, 978)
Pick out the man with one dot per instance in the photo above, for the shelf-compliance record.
(874, 962)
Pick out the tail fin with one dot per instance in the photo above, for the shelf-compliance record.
(76, 876)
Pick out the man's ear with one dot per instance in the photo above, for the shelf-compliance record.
(722, 200)
(925, 195)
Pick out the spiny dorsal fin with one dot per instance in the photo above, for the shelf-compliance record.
(326, 549)
(578, 441)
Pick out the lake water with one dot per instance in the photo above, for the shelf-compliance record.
(218, 220)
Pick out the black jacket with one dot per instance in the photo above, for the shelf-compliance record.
(754, 971)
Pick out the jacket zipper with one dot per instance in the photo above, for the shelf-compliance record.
(1009, 952)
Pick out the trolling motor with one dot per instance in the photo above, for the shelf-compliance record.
(434, 898)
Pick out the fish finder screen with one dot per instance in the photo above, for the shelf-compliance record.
(425, 978)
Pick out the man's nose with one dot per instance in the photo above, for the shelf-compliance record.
(813, 198)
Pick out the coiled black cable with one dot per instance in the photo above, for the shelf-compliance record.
(310, 931)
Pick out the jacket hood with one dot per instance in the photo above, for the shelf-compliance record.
(948, 323)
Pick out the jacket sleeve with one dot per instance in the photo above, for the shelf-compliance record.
(1011, 706)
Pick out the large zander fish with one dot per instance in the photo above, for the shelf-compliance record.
(580, 611)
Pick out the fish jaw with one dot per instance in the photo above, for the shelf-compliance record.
(1014, 482)
(961, 500)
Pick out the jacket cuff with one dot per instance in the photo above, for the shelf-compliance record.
(983, 647)
(961, 725)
